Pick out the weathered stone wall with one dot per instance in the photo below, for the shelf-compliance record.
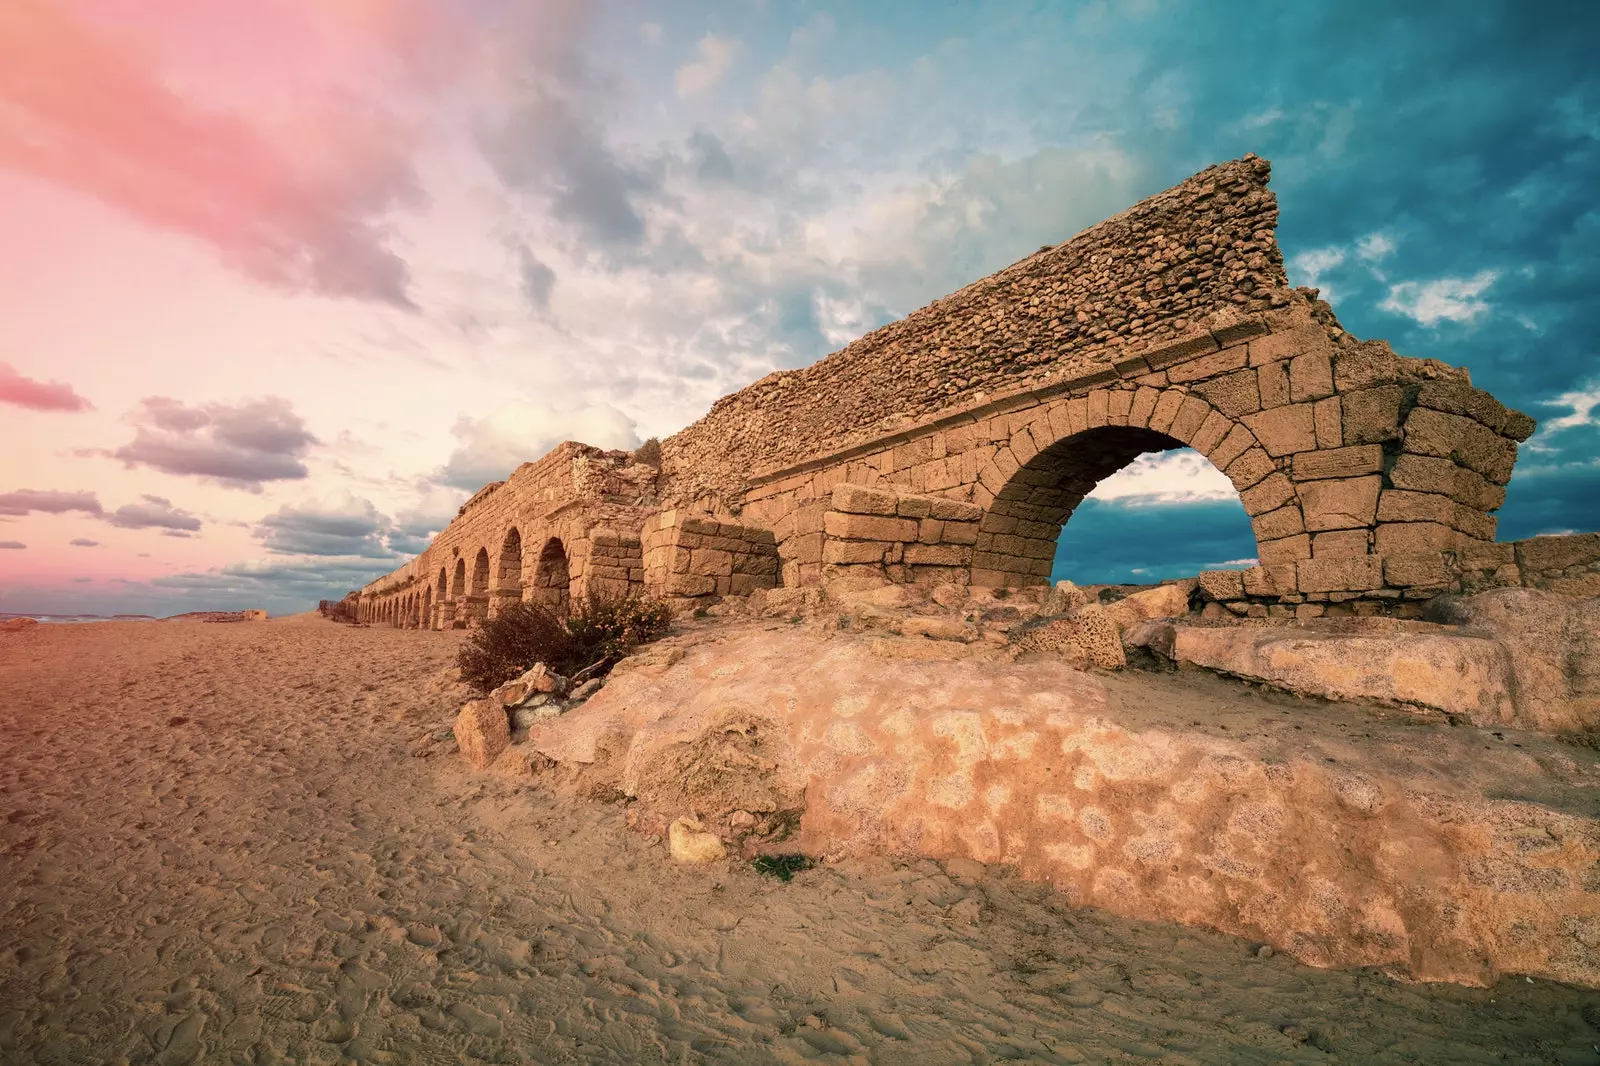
(1368, 477)
(1152, 273)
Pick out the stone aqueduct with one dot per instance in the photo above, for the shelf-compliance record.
(952, 446)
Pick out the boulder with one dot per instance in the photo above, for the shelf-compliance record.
(1085, 637)
(1164, 601)
(690, 843)
(1064, 598)
(482, 731)
(540, 678)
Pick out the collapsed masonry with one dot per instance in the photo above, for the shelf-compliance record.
(953, 445)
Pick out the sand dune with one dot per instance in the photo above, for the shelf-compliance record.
(216, 848)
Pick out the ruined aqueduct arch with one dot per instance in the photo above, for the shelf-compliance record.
(952, 445)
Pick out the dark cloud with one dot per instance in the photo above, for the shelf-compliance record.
(21, 391)
(83, 542)
(153, 512)
(26, 501)
(240, 445)
(1141, 543)
(353, 528)
(179, 533)
(230, 179)
(537, 281)
(12, 545)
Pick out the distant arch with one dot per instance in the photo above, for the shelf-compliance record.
(480, 573)
(426, 622)
(509, 578)
(458, 587)
(552, 583)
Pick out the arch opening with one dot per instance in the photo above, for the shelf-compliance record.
(427, 608)
(458, 586)
(480, 573)
(551, 581)
(1114, 505)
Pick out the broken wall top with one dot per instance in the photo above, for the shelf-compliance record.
(1152, 273)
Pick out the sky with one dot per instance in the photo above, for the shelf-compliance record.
(282, 283)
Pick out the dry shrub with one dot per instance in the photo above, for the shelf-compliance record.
(587, 638)
(649, 453)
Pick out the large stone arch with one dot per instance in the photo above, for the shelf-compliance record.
(1047, 464)
(552, 579)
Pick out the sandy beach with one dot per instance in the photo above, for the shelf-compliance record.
(216, 847)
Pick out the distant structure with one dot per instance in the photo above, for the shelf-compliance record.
(954, 444)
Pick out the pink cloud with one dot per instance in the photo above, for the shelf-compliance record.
(294, 198)
(24, 391)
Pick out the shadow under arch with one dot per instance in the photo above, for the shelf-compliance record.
(552, 583)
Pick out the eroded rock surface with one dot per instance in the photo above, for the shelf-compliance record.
(1343, 838)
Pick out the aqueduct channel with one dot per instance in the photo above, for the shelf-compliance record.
(952, 445)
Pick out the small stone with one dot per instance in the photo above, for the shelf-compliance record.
(587, 689)
(742, 820)
(690, 843)
(1264, 951)
(814, 1022)
(540, 678)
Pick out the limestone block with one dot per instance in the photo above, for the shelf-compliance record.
(1329, 416)
(1209, 366)
(1404, 538)
(1222, 585)
(960, 532)
(752, 563)
(1249, 468)
(1346, 503)
(1273, 492)
(1164, 601)
(1272, 384)
(482, 731)
(713, 561)
(1372, 416)
(1284, 522)
(1211, 432)
(1166, 410)
(1339, 542)
(914, 506)
(1165, 355)
(1417, 569)
(1117, 408)
(1284, 430)
(1356, 573)
(1284, 550)
(1238, 441)
(1469, 443)
(689, 585)
(1558, 552)
(1458, 398)
(954, 510)
(1369, 364)
(1191, 413)
(850, 526)
(1268, 581)
(937, 555)
(1144, 404)
(1338, 462)
(845, 552)
(1288, 344)
(1233, 394)
(1487, 556)
(1310, 377)
(1425, 473)
(858, 499)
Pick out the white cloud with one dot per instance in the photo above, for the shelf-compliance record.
(652, 32)
(1583, 404)
(1314, 263)
(1181, 476)
(1375, 246)
(1443, 300)
(493, 446)
(713, 59)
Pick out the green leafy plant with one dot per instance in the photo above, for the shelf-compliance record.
(584, 640)
(783, 867)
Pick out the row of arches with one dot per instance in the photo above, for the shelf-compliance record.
(464, 592)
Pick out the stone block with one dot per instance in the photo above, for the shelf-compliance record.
(1284, 550)
(1209, 366)
(1326, 463)
(1372, 416)
(1238, 441)
(1459, 398)
(1558, 552)
(1249, 468)
(1416, 570)
(1186, 423)
(1272, 492)
(1284, 522)
(689, 585)
(1339, 542)
(954, 510)
(1426, 473)
(1369, 364)
(1462, 439)
(1284, 430)
(960, 533)
(1487, 556)
(1098, 404)
(753, 563)
(1329, 417)
(847, 552)
(1347, 503)
(1233, 394)
(1117, 408)
(1268, 581)
(1406, 538)
(1354, 573)
(868, 527)
(914, 506)
(1288, 344)
(1272, 384)
(711, 561)
(1166, 410)
(1310, 377)
(1211, 432)
(1144, 404)
(1222, 585)
(858, 499)
(805, 549)
(1165, 355)
(1398, 505)
(937, 555)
